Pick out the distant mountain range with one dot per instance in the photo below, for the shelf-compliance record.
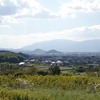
(63, 45)
(42, 52)
(59, 46)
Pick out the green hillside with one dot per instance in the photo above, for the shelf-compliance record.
(11, 57)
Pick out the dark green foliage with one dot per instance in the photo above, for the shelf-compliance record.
(11, 57)
(42, 73)
(18, 74)
(8, 68)
(93, 71)
(54, 70)
(80, 69)
(13, 69)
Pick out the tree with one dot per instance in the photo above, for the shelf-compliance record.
(80, 69)
(54, 70)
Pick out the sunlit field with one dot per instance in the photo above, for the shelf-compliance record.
(49, 87)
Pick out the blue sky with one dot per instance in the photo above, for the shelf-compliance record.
(23, 22)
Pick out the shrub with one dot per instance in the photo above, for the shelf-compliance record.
(54, 71)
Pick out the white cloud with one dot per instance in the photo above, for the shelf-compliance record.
(16, 10)
(19, 10)
(76, 34)
(71, 8)
(29, 8)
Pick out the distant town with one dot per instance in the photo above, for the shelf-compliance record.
(67, 59)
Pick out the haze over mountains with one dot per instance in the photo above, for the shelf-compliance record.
(63, 45)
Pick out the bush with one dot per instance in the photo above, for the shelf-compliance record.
(54, 71)
(42, 73)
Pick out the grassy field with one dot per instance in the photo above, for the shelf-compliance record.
(26, 87)
(46, 94)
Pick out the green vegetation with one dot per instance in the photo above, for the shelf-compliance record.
(54, 70)
(46, 94)
(34, 81)
(8, 68)
(11, 57)
(26, 87)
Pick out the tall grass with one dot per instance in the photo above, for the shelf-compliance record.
(47, 94)
(49, 87)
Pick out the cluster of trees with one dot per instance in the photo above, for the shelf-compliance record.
(90, 70)
(9, 65)
(50, 71)
(8, 68)
(11, 57)
(14, 69)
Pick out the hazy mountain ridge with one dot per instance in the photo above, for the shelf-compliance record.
(42, 52)
(49, 45)
(66, 46)
(53, 52)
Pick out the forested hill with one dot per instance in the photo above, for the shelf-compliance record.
(11, 57)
